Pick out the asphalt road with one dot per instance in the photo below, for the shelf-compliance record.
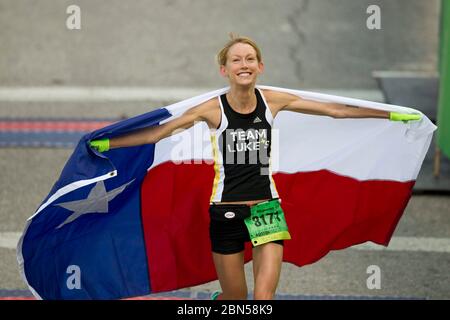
(173, 43)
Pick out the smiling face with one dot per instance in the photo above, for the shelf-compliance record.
(242, 66)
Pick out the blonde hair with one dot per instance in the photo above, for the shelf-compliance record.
(234, 38)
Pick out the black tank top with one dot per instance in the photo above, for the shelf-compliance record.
(241, 150)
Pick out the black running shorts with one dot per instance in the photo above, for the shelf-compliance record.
(227, 229)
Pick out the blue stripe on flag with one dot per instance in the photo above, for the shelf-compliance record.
(89, 243)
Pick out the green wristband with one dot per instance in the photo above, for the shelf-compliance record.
(100, 145)
(395, 116)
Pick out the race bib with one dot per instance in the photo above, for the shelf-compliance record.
(267, 223)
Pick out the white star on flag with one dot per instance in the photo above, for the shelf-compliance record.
(96, 202)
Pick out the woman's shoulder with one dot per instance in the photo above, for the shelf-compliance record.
(277, 100)
(277, 96)
(204, 107)
(209, 105)
(209, 111)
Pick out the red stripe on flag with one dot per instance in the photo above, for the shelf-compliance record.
(324, 211)
(175, 200)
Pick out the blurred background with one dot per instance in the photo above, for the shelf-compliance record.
(64, 74)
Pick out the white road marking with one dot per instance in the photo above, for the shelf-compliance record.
(39, 94)
(410, 244)
(8, 240)
(55, 93)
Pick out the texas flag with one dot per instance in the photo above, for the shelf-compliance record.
(134, 221)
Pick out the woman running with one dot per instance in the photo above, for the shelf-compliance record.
(245, 205)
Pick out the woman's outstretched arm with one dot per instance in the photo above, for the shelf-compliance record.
(284, 101)
(156, 133)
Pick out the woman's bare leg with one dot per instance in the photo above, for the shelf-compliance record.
(230, 270)
(267, 261)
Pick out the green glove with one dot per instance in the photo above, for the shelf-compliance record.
(100, 145)
(405, 117)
